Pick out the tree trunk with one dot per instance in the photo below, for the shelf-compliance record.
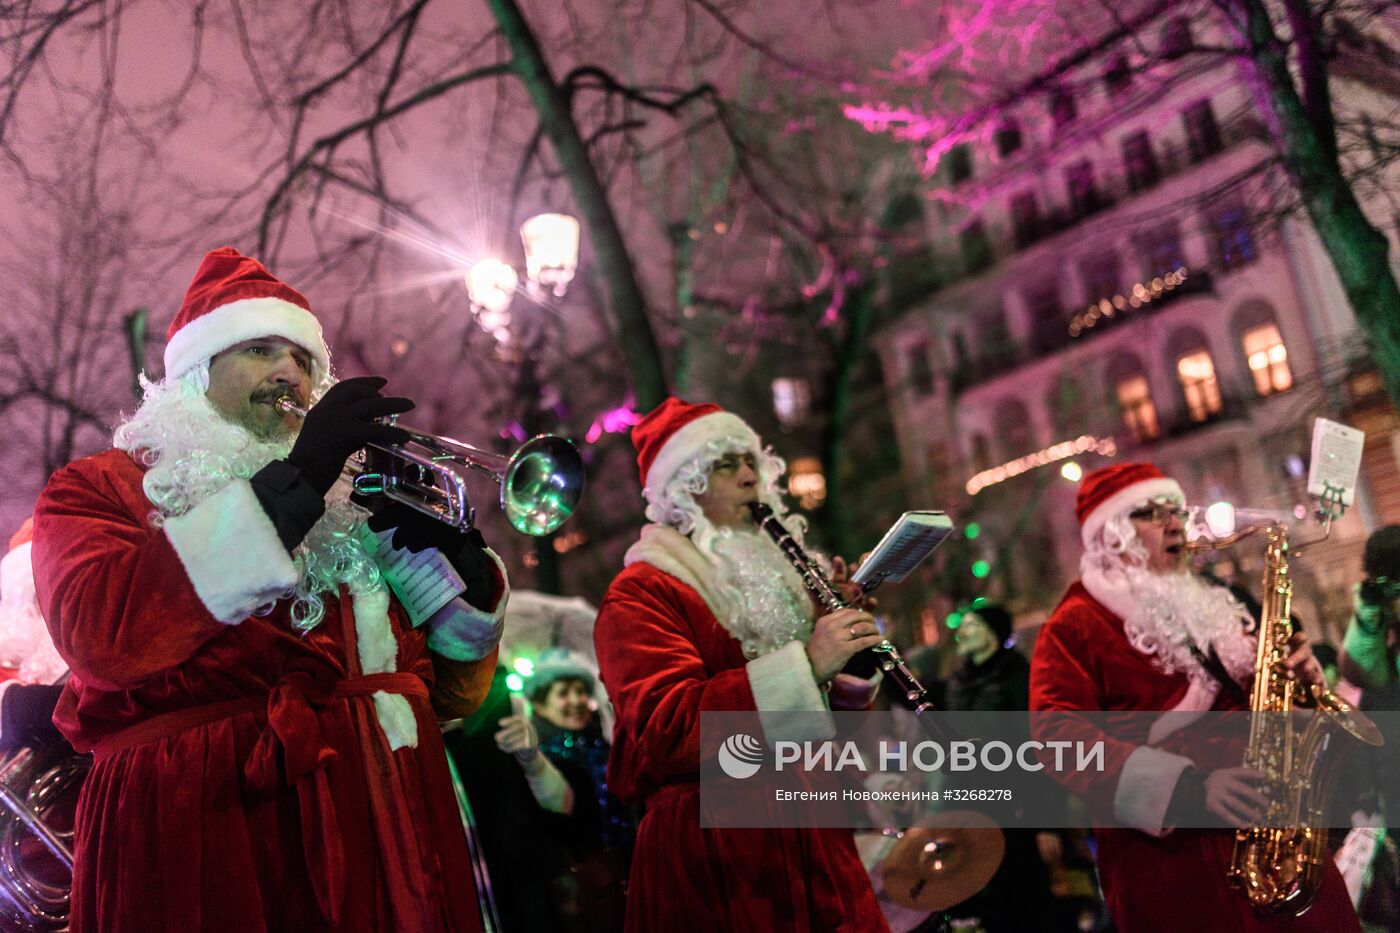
(633, 328)
(835, 515)
(1359, 252)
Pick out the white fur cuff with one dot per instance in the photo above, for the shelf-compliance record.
(1145, 788)
(230, 549)
(783, 683)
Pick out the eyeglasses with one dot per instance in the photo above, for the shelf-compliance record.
(1160, 513)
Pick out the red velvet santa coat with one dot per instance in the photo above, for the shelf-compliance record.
(665, 658)
(1153, 879)
(244, 778)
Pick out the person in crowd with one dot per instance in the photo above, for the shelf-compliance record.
(262, 715)
(564, 755)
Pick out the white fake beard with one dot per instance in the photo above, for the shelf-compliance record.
(771, 607)
(1175, 610)
(191, 452)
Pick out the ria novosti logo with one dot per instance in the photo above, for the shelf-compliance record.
(741, 756)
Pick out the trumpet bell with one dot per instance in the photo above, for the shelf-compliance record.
(542, 484)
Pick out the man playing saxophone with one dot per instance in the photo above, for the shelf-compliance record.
(708, 615)
(1140, 632)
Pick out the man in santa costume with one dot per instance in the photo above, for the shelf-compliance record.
(1140, 632)
(709, 616)
(262, 714)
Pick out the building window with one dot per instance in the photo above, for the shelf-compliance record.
(959, 163)
(1135, 406)
(1007, 138)
(996, 352)
(920, 372)
(792, 399)
(1231, 237)
(1196, 371)
(807, 482)
(1083, 196)
(1139, 161)
(1117, 78)
(976, 248)
(981, 453)
(1268, 359)
(1025, 218)
(1062, 108)
(1202, 132)
(1102, 276)
(1176, 37)
(1161, 250)
(1049, 326)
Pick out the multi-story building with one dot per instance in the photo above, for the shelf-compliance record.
(1130, 278)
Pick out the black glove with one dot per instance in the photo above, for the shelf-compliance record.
(1188, 803)
(340, 424)
(465, 551)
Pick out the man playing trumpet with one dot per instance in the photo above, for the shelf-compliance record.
(262, 715)
(708, 615)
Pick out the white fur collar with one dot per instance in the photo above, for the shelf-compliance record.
(674, 553)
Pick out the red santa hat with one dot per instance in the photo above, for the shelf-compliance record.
(234, 298)
(1118, 489)
(675, 431)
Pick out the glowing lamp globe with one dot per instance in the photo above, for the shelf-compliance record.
(551, 252)
(491, 286)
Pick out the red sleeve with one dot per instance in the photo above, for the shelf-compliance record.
(1136, 781)
(117, 600)
(656, 678)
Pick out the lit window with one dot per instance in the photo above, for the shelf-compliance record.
(1268, 359)
(807, 482)
(791, 400)
(1135, 403)
(1196, 371)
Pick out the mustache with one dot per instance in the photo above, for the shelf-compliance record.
(272, 394)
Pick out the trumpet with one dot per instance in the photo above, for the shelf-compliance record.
(541, 481)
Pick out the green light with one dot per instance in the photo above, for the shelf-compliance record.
(524, 667)
(980, 569)
(972, 531)
(515, 683)
(954, 620)
(979, 602)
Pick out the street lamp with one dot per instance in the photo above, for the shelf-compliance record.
(551, 252)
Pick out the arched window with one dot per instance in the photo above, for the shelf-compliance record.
(1194, 366)
(1069, 409)
(1263, 348)
(1132, 393)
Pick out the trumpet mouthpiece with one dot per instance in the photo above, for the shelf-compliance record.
(287, 406)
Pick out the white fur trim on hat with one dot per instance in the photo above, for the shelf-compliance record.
(688, 441)
(245, 319)
(1125, 500)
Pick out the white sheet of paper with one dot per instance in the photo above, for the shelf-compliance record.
(423, 582)
(1336, 459)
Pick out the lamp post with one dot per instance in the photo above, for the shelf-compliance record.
(551, 243)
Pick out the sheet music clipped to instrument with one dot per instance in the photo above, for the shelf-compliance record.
(423, 582)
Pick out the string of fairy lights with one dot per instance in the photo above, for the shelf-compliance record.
(1142, 293)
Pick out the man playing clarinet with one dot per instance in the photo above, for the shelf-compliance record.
(709, 616)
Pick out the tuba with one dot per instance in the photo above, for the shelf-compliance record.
(1278, 865)
(39, 785)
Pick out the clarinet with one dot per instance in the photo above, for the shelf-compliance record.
(885, 655)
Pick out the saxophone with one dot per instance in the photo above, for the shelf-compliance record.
(1279, 864)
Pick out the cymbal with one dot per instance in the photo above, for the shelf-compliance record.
(945, 861)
